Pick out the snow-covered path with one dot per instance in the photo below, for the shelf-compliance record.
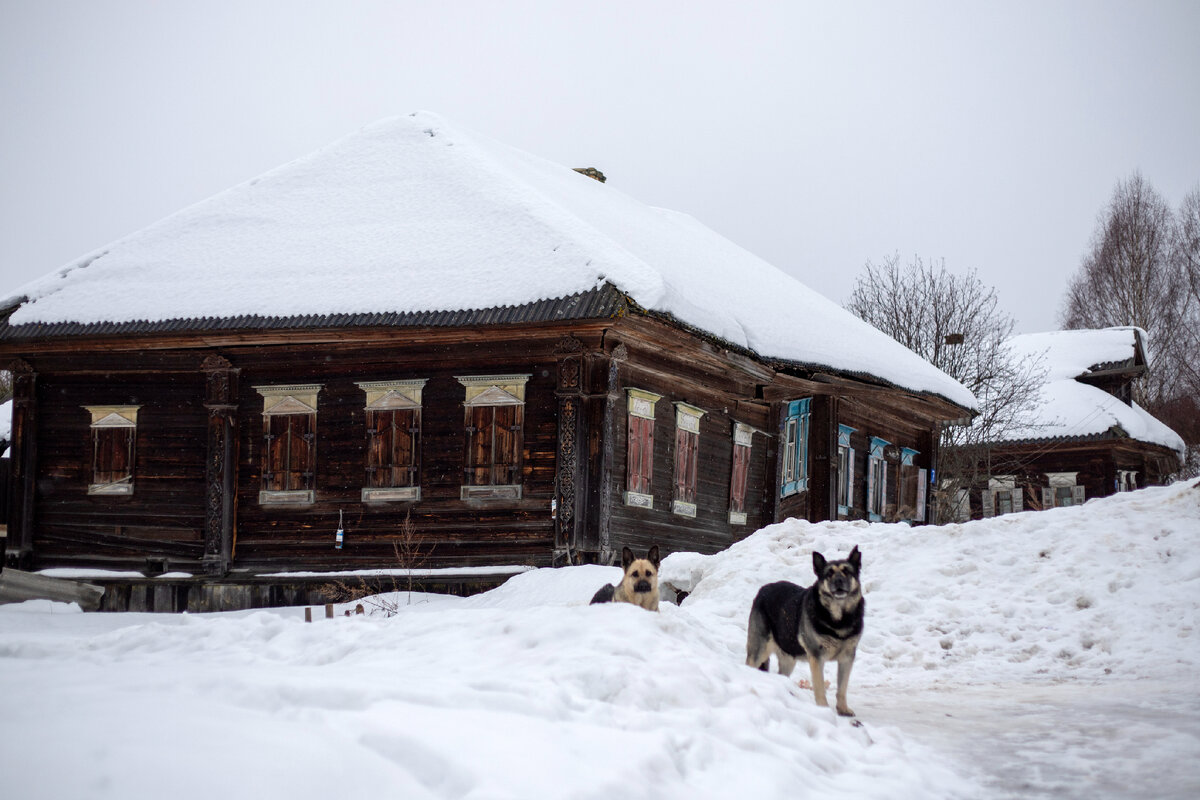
(1019, 740)
(1045, 654)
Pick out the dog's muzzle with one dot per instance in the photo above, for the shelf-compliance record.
(641, 587)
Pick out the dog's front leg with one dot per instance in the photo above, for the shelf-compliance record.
(817, 667)
(845, 662)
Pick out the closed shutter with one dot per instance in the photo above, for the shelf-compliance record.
(640, 455)
(850, 478)
(1018, 499)
(301, 450)
(685, 465)
(989, 504)
(505, 453)
(379, 446)
(1047, 497)
(1077, 495)
(741, 468)
(479, 445)
(922, 480)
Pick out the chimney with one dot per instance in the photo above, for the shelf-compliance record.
(592, 173)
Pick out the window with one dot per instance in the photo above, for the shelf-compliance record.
(1126, 480)
(795, 447)
(743, 436)
(393, 412)
(289, 443)
(114, 436)
(1062, 491)
(877, 476)
(687, 458)
(494, 421)
(912, 487)
(845, 497)
(639, 462)
(1003, 496)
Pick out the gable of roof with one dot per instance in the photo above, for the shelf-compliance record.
(412, 219)
(1069, 406)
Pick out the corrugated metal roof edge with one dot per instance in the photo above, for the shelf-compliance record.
(603, 302)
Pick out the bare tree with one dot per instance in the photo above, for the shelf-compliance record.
(956, 323)
(1131, 276)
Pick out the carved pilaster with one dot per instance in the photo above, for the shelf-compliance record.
(569, 477)
(220, 379)
(23, 461)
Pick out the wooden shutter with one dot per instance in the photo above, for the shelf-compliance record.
(113, 455)
(640, 454)
(301, 451)
(1077, 495)
(506, 454)
(479, 445)
(871, 485)
(275, 453)
(989, 504)
(685, 465)
(405, 432)
(1047, 497)
(737, 485)
(850, 453)
(922, 488)
(379, 448)
(1018, 498)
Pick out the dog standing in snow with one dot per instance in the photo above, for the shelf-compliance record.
(821, 623)
(639, 585)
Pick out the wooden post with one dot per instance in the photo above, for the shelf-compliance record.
(329, 611)
(221, 464)
(307, 614)
(19, 547)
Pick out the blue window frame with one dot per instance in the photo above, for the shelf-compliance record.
(845, 471)
(795, 447)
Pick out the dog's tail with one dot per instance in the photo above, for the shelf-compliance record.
(758, 637)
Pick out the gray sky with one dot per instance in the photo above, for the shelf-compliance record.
(815, 135)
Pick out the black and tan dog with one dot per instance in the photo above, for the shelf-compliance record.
(821, 623)
(639, 584)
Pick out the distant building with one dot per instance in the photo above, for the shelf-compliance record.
(1087, 438)
(418, 324)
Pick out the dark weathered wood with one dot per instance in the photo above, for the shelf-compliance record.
(24, 458)
(17, 586)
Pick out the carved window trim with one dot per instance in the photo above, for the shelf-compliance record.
(290, 445)
(639, 447)
(493, 422)
(114, 449)
(390, 404)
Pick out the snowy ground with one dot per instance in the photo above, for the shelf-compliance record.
(1045, 654)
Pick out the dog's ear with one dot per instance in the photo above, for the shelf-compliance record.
(652, 556)
(626, 557)
(855, 558)
(818, 563)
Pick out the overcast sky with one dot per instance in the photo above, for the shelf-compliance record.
(815, 135)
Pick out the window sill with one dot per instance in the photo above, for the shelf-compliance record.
(683, 509)
(110, 489)
(495, 492)
(399, 494)
(291, 498)
(639, 500)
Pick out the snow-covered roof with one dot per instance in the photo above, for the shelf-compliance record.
(1069, 408)
(412, 214)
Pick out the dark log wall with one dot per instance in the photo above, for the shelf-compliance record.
(726, 394)
(450, 531)
(891, 416)
(164, 517)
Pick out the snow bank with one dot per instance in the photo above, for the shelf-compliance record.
(404, 214)
(528, 692)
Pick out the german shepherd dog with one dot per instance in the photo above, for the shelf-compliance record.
(821, 623)
(639, 585)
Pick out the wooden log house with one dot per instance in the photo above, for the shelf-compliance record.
(536, 418)
(1086, 437)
